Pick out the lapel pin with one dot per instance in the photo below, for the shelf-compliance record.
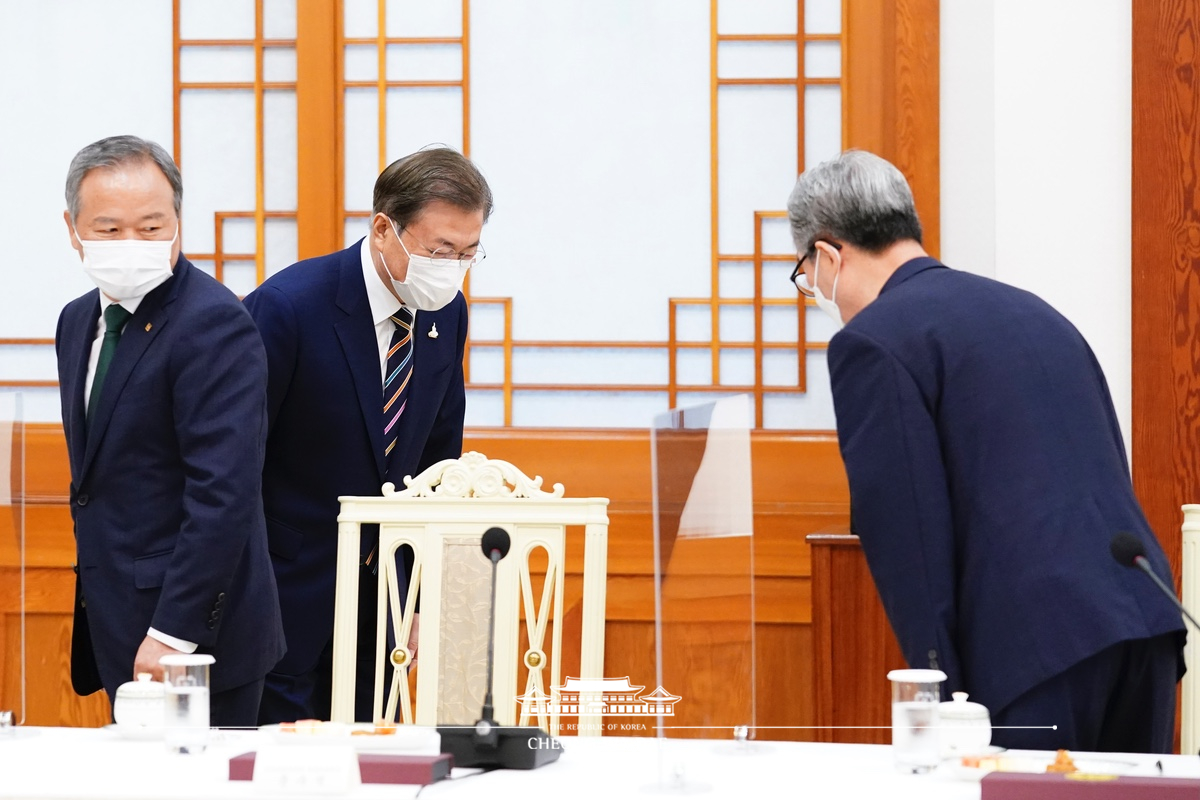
(433, 334)
(149, 325)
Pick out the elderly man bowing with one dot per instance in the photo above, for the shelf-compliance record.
(163, 381)
(987, 477)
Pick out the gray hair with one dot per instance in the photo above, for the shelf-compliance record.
(857, 197)
(116, 151)
(434, 173)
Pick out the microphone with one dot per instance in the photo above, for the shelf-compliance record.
(1128, 550)
(488, 744)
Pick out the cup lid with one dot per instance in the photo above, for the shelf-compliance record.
(917, 675)
(961, 708)
(144, 687)
(187, 660)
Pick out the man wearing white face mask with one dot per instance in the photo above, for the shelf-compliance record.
(163, 383)
(365, 348)
(987, 478)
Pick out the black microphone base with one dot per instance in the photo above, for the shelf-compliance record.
(500, 747)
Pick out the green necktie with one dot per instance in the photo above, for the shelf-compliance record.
(115, 318)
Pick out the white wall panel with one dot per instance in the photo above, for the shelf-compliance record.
(779, 324)
(554, 365)
(418, 117)
(421, 62)
(279, 64)
(211, 64)
(825, 16)
(599, 164)
(737, 323)
(487, 320)
(736, 279)
(282, 245)
(599, 409)
(756, 16)
(823, 60)
(487, 364)
(758, 159)
(737, 367)
(279, 19)
(485, 408)
(756, 60)
(780, 368)
(361, 148)
(217, 159)
(693, 367)
(811, 411)
(425, 17)
(822, 127)
(279, 150)
(212, 19)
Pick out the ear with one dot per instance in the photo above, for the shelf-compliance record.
(74, 238)
(381, 230)
(827, 251)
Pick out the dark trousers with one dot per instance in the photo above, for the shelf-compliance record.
(1121, 700)
(287, 698)
(236, 707)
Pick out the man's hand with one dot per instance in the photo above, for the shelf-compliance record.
(148, 654)
(413, 636)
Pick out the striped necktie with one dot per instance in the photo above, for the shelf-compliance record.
(395, 396)
(395, 384)
(115, 317)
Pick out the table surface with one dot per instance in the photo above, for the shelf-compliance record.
(99, 763)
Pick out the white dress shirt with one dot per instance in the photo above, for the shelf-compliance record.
(131, 306)
(383, 305)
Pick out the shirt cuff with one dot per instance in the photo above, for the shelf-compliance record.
(181, 645)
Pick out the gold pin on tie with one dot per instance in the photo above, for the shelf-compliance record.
(149, 325)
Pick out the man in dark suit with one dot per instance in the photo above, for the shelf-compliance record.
(987, 478)
(365, 349)
(163, 381)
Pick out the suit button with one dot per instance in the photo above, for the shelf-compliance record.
(211, 625)
(82, 500)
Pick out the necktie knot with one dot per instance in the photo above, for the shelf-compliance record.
(115, 317)
(402, 318)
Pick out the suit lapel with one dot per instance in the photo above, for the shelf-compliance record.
(77, 351)
(142, 329)
(356, 333)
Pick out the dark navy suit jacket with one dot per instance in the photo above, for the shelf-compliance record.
(987, 478)
(165, 484)
(326, 424)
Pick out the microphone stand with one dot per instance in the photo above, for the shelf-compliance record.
(488, 744)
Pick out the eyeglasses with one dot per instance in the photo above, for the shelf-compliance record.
(445, 257)
(800, 277)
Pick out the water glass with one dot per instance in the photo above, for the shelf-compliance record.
(185, 701)
(916, 694)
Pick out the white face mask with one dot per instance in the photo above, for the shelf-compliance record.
(427, 286)
(127, 268)
(827, 304)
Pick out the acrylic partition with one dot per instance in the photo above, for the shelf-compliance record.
(704, 575)
(13, 662)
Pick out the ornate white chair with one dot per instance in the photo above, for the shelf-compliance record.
(441, 515)
(1190, 597)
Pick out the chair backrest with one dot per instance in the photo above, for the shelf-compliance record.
(1190, 597)
(442, 514)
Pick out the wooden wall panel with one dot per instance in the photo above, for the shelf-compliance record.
(799, 488)
(1166, 263)
(891, 102)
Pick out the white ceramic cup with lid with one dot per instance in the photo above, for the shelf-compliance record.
(139, 703)
(966, 727)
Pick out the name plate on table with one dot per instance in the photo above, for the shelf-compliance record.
(367, 768)
(315, 769)
(1085, 786)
